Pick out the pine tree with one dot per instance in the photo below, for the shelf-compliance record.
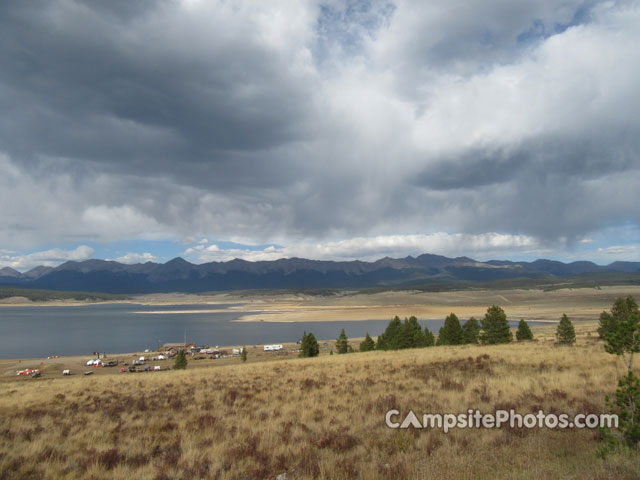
(309, 345)
(523, 332)
(180, 363)
(367, 344)
(495, 328)
(342, 343)
(621, 333)
(623, 310)
(429, 339)
(627, 401)
(471, 331)
(390, 339)
(243, 354)
(565, 333)
(451, 333)
(413, 337)
(405, 338)
(407, 334)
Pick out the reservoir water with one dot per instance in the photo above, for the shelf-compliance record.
(40, 331)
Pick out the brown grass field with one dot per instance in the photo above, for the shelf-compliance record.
(317, 418)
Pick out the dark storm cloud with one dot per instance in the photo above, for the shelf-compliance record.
(115, 84)
(578, 159)
(275, 122)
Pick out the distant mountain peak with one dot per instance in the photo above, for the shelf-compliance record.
(9, 272)
(179, 275)
(178, 261)
(37, 272)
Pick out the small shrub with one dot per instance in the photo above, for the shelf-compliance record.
(565, 333)
(180, 363)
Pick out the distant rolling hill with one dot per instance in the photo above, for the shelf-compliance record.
(178, 275)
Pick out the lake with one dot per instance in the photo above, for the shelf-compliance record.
(40, 331)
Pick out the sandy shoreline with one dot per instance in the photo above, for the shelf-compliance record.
(532, 305)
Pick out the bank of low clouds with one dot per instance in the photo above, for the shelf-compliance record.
(331, 128)
(46, 258)
(374, 248)
(482, 247)
(131, 258)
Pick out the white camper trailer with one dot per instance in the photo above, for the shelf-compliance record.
(272, 348)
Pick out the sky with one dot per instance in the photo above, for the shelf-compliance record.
(142, 131)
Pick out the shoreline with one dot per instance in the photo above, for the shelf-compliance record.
(289, 307)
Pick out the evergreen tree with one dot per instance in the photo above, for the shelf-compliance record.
(623, 310)
(622, 334)
(390, 339)
(471, 331)
(523, 332)
(429, 339)
(405, 338)
(243, 354)
(495, 328)
(565, 333)
(413, 337)
(627, 406)
(180, 363)
(342, 343)
(367, 344)
(451, 333)
(407, 334)
(309, 346)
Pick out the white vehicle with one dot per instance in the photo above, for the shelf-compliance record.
(66, 372)
(156, 368)
(271, 348)
(141, 359)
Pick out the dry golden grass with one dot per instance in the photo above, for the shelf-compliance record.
(317, 418)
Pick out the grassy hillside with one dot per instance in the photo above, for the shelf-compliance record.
(316, 418)
(52, 295)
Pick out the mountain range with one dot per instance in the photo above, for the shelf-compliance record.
(178, 275)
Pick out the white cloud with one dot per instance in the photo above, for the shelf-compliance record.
(483, 246)
(620, 252)
(48, 258)
(131, 258)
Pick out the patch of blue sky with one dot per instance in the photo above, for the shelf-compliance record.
(162, 250)
(347, 26)
(541, 31)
